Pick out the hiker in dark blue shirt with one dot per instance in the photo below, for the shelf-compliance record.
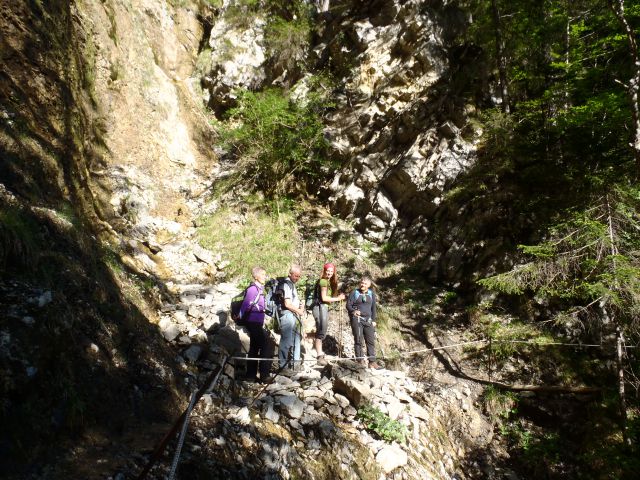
(361, 306)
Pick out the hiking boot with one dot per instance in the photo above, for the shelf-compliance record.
(322, 361)
(375, 366)
(266, 379)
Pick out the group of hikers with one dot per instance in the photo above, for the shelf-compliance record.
(360, 304)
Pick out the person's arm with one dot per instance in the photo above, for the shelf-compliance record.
(350, 303)
(326, 298)
(290, 306)
(374, 303)
(288, 301)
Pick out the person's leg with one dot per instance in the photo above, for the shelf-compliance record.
(265, 355)
(254, 349)
(297, 340)
(286, 337)
(357, 337)
(321, 315)
(369, 333)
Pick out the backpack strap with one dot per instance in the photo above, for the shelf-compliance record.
(253, 303)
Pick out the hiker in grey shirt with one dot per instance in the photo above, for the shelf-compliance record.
(290, 326)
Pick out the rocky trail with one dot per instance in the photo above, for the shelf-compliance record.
(306, 424)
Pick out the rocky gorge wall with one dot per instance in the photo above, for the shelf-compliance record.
(399, 129)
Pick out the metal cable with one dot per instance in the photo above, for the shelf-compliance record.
(183, 433)
(455, 345)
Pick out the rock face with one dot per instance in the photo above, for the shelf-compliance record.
(156, 166)
(399, 132)
(120, 131)
(236, 59)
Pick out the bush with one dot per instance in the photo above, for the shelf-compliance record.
(278, 142)
(378, 422)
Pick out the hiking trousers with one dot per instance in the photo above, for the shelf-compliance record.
(290, 338)
(258, 348)
(364, 333)
(321, 316)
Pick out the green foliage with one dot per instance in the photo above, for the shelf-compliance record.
(504, 331)
(258, 237)
(19, 236)
(590, 258)
(378, 422)
(498, 404)
(287, 36)
(279, 142)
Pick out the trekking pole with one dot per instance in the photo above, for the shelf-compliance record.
(340, 332)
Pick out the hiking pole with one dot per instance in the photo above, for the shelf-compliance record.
(340, 352)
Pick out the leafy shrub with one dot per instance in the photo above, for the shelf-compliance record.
(287, 41)
(499, 405)
(378, 422)
(277, 140)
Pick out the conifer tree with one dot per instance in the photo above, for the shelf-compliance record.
(591, 263)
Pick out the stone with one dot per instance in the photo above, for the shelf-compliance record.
(418, 411)
(242, 416)
(192, 353)
(391, 457)
(169, 329)
(232, 340)
(394, 408)
(357, 393)
(342, 400)
(45, 298)
(271, 414)
(291, 406)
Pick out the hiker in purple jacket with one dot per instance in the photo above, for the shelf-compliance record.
(252, 313)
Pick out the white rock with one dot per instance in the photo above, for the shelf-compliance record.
(391, 457)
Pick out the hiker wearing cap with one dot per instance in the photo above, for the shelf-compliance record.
(361, 306)
(252, 311)
(327, 292)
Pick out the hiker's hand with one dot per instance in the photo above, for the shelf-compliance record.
(356, 313)
(341, 296)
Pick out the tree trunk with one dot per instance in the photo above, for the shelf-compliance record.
(500, 56)
(634, 83)
(621, 392)
(622, 401)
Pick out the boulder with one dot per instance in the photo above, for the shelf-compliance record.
(357, 392)
(391, 457)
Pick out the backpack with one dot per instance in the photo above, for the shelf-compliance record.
(311, 295)
(274, 295)
(236, 304)
(358, 294)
